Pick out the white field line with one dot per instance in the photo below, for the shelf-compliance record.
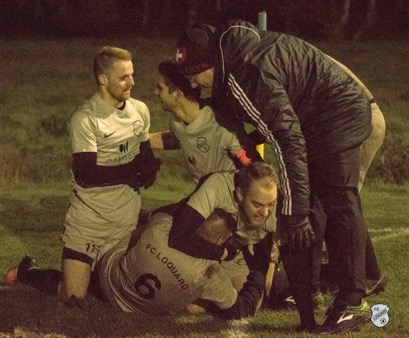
(238, 329)
(389, 233)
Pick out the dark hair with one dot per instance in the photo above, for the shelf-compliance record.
(218, 223)
(227, 217)
(255, 171)
(175, 80)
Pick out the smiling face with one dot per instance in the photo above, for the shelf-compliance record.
(259, 202)
(116, 82)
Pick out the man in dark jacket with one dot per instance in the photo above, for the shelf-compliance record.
(315, 117)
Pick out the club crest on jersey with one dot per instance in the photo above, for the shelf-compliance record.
(202, 144)
(137, 128)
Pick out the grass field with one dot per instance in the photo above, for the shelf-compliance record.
(31, 218)
(42, 81)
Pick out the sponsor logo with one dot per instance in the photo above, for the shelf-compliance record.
(108, 135)
(123, 148)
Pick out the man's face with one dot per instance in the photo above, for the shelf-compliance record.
(258, 204)
(167, 99)
(203, 79)
(118, 82)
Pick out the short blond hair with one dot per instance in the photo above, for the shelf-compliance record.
(106, 56)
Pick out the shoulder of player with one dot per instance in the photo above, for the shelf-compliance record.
(140, 107)
(83, 113)
(207, 113)
(206, 121)
(90, 108)
(209, 117)
(220, 179)
(138, 104)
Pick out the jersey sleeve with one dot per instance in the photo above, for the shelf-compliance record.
(273, 115)
(213, 193)
(229, 140)
(82, 133)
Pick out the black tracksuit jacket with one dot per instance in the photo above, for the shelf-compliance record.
(303, 104)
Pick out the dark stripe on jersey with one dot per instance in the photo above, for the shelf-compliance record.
(123, 106)
(77, 256)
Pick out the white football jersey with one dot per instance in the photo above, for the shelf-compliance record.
(100, 216)
(112, 133)
(115, 135)
(207, 146)
(155, 279)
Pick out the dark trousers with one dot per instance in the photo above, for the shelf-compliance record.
(297, 265)
(336, 217)
(372, 269)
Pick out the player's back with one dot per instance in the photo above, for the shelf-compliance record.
(155, 279)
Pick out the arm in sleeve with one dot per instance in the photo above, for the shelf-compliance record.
(148, 164)
(274, 117)
(208, 195)
(141, 169)
(284, 135)
(88, 174)
(238, 131)
(164, 140)
(241, 152)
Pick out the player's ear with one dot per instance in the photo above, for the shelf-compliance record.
(239, 194)
(179, 94)
(102, 79)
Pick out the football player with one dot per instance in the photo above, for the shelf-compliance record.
(152, 278)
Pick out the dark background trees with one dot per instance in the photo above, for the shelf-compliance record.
(341, 19)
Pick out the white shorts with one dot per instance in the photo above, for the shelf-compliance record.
(93, 232)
